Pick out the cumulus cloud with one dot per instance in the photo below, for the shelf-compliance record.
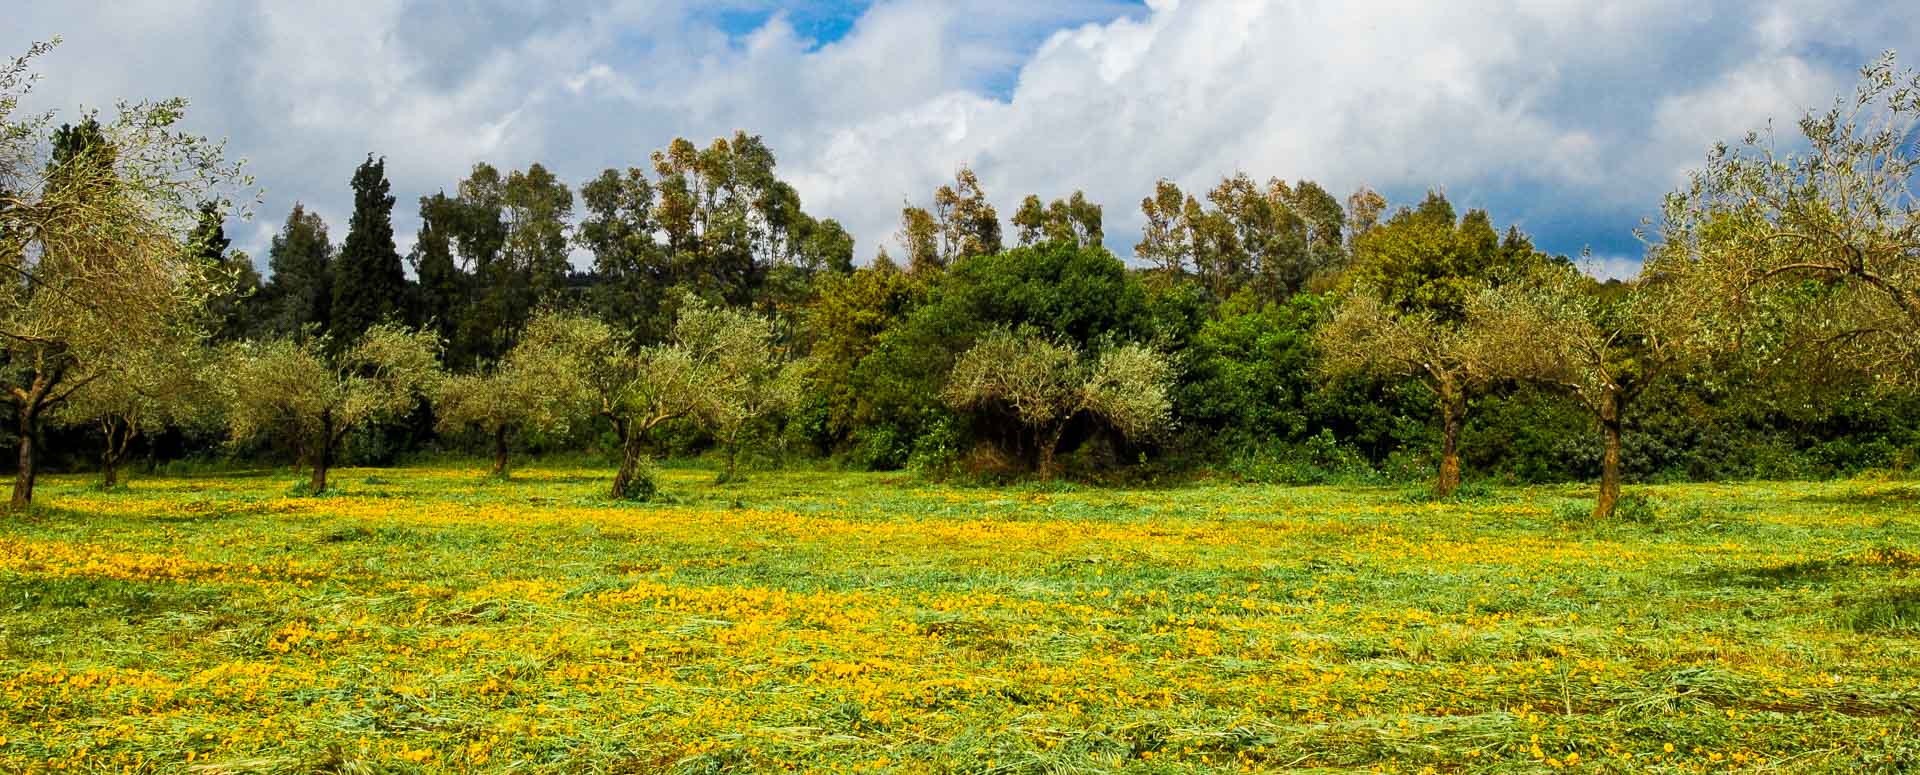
(1571, 118)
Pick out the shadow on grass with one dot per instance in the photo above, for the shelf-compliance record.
(1810, 571)
(1877, 495)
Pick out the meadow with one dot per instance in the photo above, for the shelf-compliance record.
(434, 620)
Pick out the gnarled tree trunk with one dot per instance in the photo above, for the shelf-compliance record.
(1453, 420)
(1049, 443)
(323, 456)
(120, 433)
(631, 482)
(24, 475)
(1611, 404)
(500, 450)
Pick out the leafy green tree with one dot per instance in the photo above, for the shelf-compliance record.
(1604, 350)
(300, 291)
(230, 310)
(441, 288)
(843, 325)
(1251, 372)
(709, 371)
(1073, 220)
(1167, 239)
(633, 271)
(1417, 305)
(826, 246)
(919, 236)
(92, 217)
(969, 226)
(1082, 295)
(369, 283)
(529, 389)
(1824, 238)
(144, 394)
(311, 394)
(1422, 260)
(539, 209)
(1045, 384)
(1364, 207)
(476, 221)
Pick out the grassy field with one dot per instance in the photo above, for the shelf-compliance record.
(430, 619)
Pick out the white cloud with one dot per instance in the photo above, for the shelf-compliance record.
(1569, 117)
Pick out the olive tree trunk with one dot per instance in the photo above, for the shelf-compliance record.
(632, 482)
(1453, 420)
(500, 451)
(24, 475)
(1610, 426)
(322, 456)
(120, 433)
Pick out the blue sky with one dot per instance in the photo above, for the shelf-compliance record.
(1571, 119)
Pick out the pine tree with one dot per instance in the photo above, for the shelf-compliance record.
(370, 286)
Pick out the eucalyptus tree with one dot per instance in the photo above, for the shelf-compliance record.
(1074, 219)
(309, 393)
(92, 219)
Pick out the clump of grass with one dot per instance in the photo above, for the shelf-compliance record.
(1892, 611)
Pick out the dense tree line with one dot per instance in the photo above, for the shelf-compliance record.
(1270, 330)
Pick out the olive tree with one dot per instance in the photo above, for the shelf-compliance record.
(309, 396)
(144, 394)
(92, 219)
(719, 367)
(1452, 359)
(532, 387)
(1045, 384)
(1555, 327)
(1821, 232)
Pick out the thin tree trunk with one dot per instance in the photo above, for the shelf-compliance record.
(119, 438)
(1453, 419)
(1047, 446)
(500, 451)
(24, 475)
(1610, 425)
(323, 458)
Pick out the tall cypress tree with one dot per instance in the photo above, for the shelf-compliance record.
(300, 292)
(442, 290)
(369, 283)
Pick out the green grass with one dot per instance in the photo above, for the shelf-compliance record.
(435, 619)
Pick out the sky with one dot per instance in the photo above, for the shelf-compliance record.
(1570, 118)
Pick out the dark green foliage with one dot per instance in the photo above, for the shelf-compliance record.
(369, 284)
(1080, 294)
(1249, 372)
(300, 292)
(441, 289)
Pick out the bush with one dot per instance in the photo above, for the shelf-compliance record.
(1321, 459)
